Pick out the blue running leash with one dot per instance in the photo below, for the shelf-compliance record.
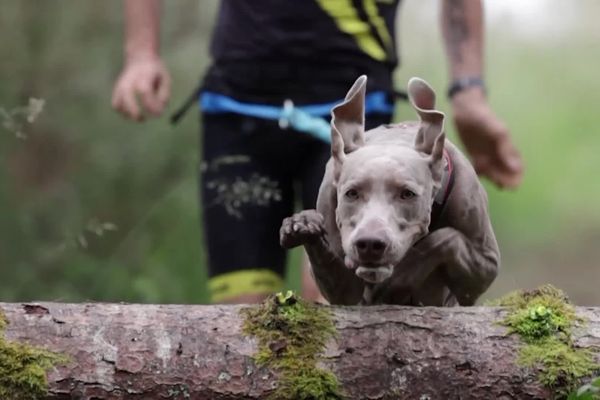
(309, 119)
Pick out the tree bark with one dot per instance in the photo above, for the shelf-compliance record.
(121, 351)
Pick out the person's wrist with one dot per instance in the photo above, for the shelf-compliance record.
(466, 84)
(468, 96)
(138, 55)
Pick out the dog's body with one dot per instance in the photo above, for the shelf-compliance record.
(369, 240)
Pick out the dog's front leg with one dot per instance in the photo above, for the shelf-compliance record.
(337, 283)
(468, 268)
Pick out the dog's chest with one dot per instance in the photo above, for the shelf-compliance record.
(433, 292)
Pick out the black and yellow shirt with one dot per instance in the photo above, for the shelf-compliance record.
(307, 50)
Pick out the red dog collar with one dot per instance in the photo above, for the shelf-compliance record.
(441, 198)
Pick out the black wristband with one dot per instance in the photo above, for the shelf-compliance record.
(460, 84)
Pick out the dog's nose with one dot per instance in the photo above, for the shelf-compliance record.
(370, 248)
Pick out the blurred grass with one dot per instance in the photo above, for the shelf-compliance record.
(82, 161)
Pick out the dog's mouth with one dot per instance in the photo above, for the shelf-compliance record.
(374, 273)
(371, 272)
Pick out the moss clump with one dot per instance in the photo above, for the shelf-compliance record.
(560, 361)
(544, 319)
(3, 321)
(291, 335)
(23, 368)
(539, 313)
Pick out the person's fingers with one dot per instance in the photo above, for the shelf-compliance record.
(494, 175)
(480, 163)
(511, 181)
(116, 97)
(142, 89)
(512, 164)
(488, 143)
(492, 128)
(129, 104)
(504, 167)
(496, 178)
(502, 176)
(506, 180)
(508, 162)
(163, 87)
(117, 101)
(148, 97)
(510, 157)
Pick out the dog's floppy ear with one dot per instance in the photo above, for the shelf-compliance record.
(348, 124)
(430, 137)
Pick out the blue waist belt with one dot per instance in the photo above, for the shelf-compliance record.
(308, 118)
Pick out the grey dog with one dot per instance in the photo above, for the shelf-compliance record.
(401, 216)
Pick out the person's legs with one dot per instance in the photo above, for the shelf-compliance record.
(245, 196)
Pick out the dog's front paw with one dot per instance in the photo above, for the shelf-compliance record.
(302, 228)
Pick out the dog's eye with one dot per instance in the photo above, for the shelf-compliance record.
(351, 194)
(407, 194)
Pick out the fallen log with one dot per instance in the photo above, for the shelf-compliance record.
(131, 351)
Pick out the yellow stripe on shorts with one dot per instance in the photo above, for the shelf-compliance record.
(248, 281)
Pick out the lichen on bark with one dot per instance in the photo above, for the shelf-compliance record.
(23, 368)
(292, 334)
(544, 319)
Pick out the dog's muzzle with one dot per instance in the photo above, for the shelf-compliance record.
(374, 274)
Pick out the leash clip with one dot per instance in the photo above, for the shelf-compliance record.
(286, 113)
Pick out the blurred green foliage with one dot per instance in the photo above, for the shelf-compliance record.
(81, 166)
(589, 391)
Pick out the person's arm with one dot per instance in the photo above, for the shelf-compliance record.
(144, 75)
(462, 28)
(485, 136)
(142, 29)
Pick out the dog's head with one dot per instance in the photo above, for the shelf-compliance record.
(384, 191)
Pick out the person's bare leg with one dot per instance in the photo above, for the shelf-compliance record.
(310, 290)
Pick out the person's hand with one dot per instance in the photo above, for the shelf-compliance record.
(147, 80)
(486, 139)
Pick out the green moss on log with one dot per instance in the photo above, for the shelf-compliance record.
(23, 368)
(544, 319)
(292, 334)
